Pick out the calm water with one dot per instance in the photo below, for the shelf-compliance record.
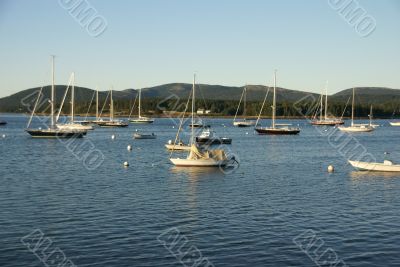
(113, 216)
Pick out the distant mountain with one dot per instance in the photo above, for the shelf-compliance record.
(369, 95)
(215, 94)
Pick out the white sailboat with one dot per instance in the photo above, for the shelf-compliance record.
(324, 120)
(244, 122)
(277, 129)
(53, 131)
(72, 124)
(357, 128)
(200, 157)
(140, 118)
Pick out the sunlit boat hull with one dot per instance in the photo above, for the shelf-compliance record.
(177, 147)
(374, 166)
(395, 123)
(357, 129)
(199, 163)
(142, 120)
(214, 141)
(327, 122)
(75, 126)
(144, 136)
(242, 124)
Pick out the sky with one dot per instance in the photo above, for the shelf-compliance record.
(227, 42)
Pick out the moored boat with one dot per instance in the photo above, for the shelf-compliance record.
(276, 129)
(386, 166)
(144, 136)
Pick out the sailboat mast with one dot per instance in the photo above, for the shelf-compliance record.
(97, 103)
(140, 100)
(352, 109)
(111, 106)
(193, 101)
(244, 101)
(52, 92)
(321, 107)
(73, 98)
(370, 116)
(326, 101)
(274, 103)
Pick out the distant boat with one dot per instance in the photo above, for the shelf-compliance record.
(180, 146)
(201, 157)
(141, 119)
(323, 118)
(277, 129)
(357, 128)
(3, 122)
(244, 122)
(395, 123)
(52, 131)
(386, 166)
(112, 123)
(144, 136)
(208, 137)
(73, 125)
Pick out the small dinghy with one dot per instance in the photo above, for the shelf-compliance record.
(144, 136)
(3, 122)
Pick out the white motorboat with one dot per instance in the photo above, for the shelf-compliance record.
(357, 128)
(386, 166)
(395, 123)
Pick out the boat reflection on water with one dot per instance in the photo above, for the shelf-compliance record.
(358, 176)
(197, 173)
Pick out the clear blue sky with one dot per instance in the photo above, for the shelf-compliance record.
(228, 42)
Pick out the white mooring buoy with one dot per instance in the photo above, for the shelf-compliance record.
(129, 147)
(113, 136)
(169, 142)
(126, 164)
(4, 136)
(331, 168)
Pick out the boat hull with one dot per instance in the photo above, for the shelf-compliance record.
(277, 131)
(352, 129)
(144, 136)
(327, 123)
(108, 124)
(214, 141)
(373, 166)
(3, 122)
(75, 126)
(141, 121)
(55, 134)
(198, 163)
(243, 124)
(177, 147)
(394, 123)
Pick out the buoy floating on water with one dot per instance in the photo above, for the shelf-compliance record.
(169, 142)
(129, 147)
(4, 136)
(113, 136)
(331, 169)
(126, 164)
